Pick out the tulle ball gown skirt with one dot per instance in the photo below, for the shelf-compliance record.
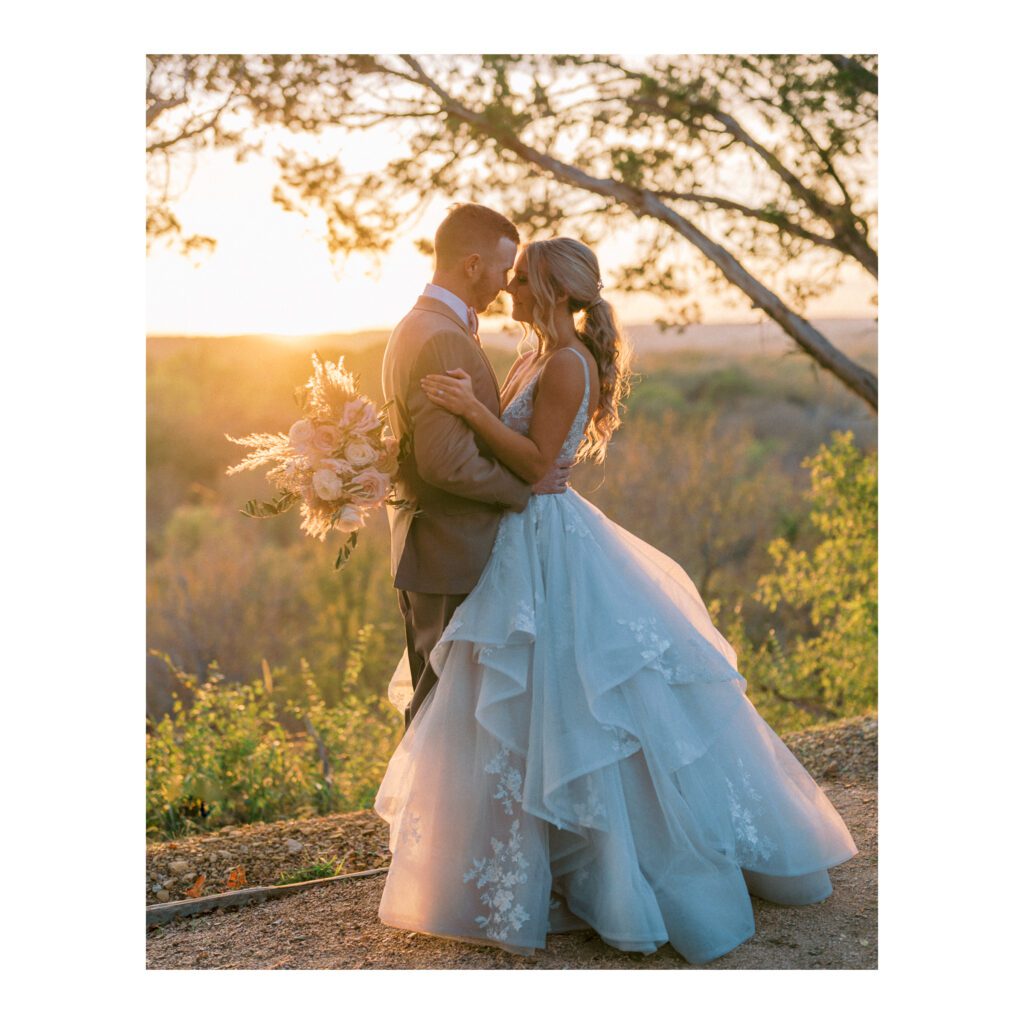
(588, 758)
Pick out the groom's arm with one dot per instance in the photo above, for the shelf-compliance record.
(444, 446)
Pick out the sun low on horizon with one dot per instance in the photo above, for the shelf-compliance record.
(270, 273)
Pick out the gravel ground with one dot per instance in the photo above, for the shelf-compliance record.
(358, 840)
(336, 926)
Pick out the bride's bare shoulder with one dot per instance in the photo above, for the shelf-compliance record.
(563, 375)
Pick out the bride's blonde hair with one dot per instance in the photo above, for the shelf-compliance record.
(566, 266)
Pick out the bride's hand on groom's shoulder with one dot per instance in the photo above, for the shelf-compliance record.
(452, 390)
(555, 480)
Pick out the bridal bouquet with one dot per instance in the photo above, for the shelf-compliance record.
(338, 459)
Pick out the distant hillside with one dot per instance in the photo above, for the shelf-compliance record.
(352, 342)
(854, 336)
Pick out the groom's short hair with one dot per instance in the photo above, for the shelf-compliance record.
(470, 228)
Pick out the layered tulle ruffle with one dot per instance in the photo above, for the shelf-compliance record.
(589, 735)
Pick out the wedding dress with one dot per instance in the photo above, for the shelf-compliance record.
(588, 756)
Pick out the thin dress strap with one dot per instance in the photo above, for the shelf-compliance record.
(586, 365)
(584, 358)
(579, 422)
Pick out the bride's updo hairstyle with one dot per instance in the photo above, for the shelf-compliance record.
(563, 266)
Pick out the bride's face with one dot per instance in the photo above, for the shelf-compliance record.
(519, 289)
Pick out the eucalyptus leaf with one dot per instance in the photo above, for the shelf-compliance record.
(404, 444)
(255, 509)
(260, 509)
(345, 551)
(403, 503)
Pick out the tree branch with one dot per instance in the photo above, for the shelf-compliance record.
(155, 106)
(191, 132)
(646, 203)
(843, 221)
(783, 223)
(839, 217)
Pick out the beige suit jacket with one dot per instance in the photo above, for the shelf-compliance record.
(449, 472)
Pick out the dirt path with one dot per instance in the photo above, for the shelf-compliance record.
(336, 926)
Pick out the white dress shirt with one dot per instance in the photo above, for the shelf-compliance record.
(435, 291)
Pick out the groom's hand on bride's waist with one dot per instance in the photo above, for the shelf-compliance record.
(555, 480)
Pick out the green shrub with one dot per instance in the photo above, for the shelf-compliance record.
(351, 741)
(226, 757)
(820, 660)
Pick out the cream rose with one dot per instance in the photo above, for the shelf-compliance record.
(350, 519)
(300, 435)
(371, 485)
(326, 439)
(328, 485)
(360, 453)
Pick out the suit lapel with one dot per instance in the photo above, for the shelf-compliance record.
(428, 304)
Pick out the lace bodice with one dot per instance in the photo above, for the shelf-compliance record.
(519, 412)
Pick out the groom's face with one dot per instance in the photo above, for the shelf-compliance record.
(493, 273)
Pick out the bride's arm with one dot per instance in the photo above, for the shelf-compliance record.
(559, 392)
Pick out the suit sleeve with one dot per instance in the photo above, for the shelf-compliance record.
(445, 447)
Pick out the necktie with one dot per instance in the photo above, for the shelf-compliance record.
(474, 324)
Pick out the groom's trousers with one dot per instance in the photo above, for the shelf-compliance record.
(426, 616)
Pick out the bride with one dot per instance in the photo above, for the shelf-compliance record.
(588, 757)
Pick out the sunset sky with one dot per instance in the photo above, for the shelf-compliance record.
(271, 274)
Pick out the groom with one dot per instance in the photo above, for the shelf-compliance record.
(449, 473)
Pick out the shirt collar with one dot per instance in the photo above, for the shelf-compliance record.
(435, 291)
